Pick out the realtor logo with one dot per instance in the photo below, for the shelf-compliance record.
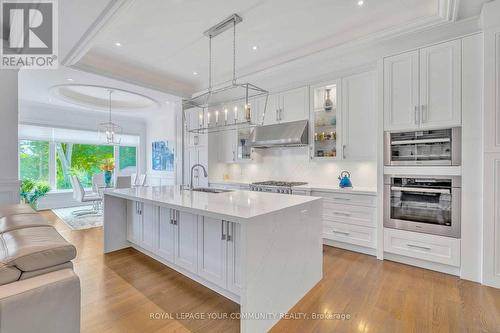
(29, 34)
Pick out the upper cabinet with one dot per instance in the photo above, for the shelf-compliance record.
(287, 106)
(324, 119)
(422, 89)
(359, 117)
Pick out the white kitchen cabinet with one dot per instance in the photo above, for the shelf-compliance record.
(440, 85)
(359, 117)
(291, 105)
(439, 249)
(422, 88)
(134, 222)
(166, 234)
(401, 96)
(227, 146)
(149, 226)
(186, 243)
(212, 250)
(234, 258)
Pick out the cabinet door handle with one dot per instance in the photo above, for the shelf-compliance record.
(222, 235)
(345, 233)
(176, 217)
(342, 199)
(281, 114)
(416, 115)
(423, 114)
(171, 218)
(277, 114)
(229, 233)
(196, 140)
(344, 148)
(419, 247)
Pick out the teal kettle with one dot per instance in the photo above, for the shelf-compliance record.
(344, 179)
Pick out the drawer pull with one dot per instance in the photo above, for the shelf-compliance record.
(419, 247)
(342, 199)
(342, 214)
(345, 233)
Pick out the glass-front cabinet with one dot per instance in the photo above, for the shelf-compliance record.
(324, 120)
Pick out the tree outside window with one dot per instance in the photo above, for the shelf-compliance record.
(81, 160)
(34, 160)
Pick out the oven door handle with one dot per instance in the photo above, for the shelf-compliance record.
(420, 189)
(410, 142)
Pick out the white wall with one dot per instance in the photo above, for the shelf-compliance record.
(162, 127)
(9, 183)
(293, 164)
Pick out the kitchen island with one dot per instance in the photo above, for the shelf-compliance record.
(261, 250)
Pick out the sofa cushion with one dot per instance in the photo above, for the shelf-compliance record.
(13, 222)
(9, 274)
(27, 275)
(15, 210)
(35, 248)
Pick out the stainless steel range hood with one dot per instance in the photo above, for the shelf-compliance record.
(292, 134)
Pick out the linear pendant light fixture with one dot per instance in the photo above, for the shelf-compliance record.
(110, 132)
(229, 106)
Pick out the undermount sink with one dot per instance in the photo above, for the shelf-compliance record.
(211, 190)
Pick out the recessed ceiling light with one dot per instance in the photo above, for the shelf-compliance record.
(195, 73)
(118, 44)
(361, 3)
(69, 79)
(255, 48)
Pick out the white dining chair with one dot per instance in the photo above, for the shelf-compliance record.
(80, 195)
(123, 182)
(98, 182)
(140, 180)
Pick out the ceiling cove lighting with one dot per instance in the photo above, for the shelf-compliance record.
(255, 48)
(212, 105)
(110, 132)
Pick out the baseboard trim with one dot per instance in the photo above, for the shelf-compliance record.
(350, 247)
(423, 264)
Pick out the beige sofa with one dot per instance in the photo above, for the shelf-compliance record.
(39, 291)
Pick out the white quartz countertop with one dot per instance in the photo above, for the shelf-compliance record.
(310, 187)
(235, 206)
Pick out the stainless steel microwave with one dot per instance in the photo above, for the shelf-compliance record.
(424, 204)
(430, 147)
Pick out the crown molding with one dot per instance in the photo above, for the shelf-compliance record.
(106, 17)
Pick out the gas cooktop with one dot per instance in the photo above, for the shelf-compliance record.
(279, 183)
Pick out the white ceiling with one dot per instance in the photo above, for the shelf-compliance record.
(67, 88)
(162, 40)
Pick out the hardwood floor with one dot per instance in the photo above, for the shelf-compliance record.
(121, 290)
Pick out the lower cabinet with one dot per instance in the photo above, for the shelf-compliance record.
(349, 219)
(212, 250)
(166, 232)
(219, 253)
(185, 240)
(439, 249)
(206, 247)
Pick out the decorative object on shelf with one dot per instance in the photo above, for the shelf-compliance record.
(222, 97)
(333, 121)
(31, 191)
(328, 106)
(110, 132)
(108, 166)
(320, 153)
(344, 179)
(163, 155)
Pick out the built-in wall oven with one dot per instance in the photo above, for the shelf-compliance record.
(431, 147)
(424, 204)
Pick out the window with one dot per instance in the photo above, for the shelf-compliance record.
(34, 160)
(127, 163)
(52, 154)
(81, 160)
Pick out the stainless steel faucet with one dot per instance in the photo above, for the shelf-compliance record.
(192, 169)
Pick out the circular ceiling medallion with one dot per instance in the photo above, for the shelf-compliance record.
(97, 97)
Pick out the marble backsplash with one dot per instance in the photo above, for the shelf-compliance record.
(293, 164)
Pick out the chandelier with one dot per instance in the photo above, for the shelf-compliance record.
(229, 106)
(110, 132)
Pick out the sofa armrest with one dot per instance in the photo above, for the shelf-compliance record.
(48, 303)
